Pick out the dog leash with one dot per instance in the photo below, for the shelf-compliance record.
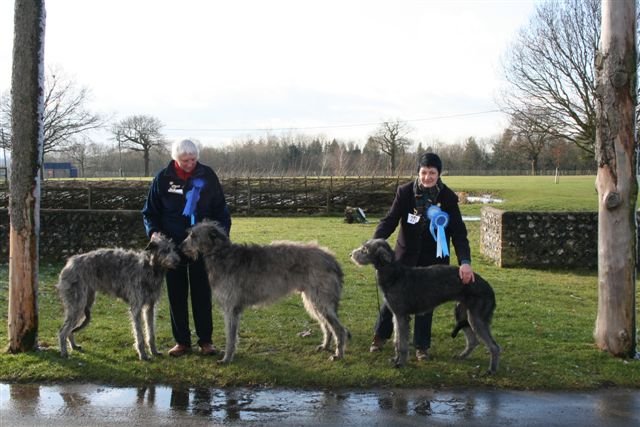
(377, 292)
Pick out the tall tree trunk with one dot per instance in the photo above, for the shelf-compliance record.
(392, 161)
(146, 161)
(27, 113)
(615, 329)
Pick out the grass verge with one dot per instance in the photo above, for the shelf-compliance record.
(544, 323)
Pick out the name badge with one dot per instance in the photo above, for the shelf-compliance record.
(175, 189)
(413, 219)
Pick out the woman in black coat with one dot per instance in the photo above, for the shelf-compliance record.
(415, 245)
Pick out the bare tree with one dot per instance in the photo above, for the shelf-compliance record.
(82, 153)
(550, 69)
(391, 139)
(533, 131)
(5, 121)
(27, 83)
(4, 143)
(66, 116)
(616, 181)
(337, 154)
(140, 133)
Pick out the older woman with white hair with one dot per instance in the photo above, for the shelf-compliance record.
(182, 194)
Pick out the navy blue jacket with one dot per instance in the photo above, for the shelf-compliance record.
(167, 196)
(415, 238)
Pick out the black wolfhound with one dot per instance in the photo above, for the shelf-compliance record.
(414, 290)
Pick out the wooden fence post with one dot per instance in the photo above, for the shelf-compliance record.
(248, 194)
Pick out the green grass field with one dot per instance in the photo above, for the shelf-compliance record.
(543, 322)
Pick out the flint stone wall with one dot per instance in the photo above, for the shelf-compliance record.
(539, 239)
(67, 232)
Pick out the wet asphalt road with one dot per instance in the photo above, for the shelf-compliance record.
(96, 405)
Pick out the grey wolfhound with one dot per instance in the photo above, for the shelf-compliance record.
(243, 275)
(414, 290)
(133, 276)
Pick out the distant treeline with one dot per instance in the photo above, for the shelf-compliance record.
(306, 156)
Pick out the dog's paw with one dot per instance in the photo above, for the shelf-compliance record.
(463, 355)
(224, 360)
(335, 357)
(396, 362)
(322, 347)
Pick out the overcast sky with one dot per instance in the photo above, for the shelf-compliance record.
(223, 70)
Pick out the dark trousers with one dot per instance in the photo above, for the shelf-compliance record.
(422, 322)
(421, 327)
(190, 277)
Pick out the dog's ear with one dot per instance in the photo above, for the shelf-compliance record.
(217, 233)
(383, 255)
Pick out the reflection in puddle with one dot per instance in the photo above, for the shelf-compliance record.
(231, 405)
(78, 404)
(115, 405)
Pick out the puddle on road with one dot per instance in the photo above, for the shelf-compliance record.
(225, 406)
(90, 404)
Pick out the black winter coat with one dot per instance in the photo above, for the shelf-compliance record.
(415, 238)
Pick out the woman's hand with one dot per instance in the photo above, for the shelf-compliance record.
(466, 274)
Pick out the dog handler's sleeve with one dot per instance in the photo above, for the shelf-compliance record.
(151, 211)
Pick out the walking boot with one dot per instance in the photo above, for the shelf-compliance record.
(179, 350)
(422, 354)
(376, 344)
(208, 349)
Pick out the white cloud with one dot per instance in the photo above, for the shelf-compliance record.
(251, 64)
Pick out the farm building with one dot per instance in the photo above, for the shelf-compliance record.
(60, 170)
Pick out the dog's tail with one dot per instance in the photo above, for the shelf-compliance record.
(460, 315)
(85, 322)
(459, 326)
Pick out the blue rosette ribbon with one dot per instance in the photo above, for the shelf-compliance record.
(193, 196)
(439, 220)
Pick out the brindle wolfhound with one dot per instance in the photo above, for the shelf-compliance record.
(246, 275)
(414, 290)
(133, 276)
